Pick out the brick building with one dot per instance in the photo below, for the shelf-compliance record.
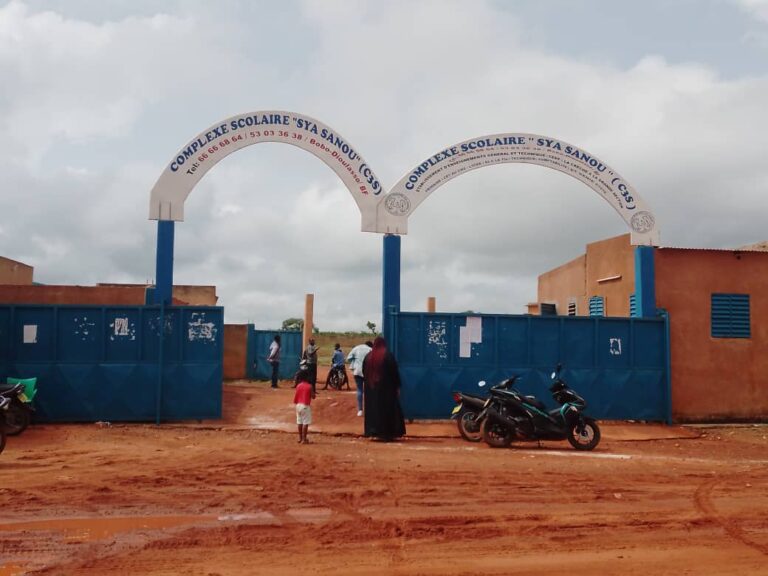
(717, 302)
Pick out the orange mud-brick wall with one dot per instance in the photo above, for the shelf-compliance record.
(714, 378)
(13, 272)
(607, 269)
(235, 351)
(102, 295)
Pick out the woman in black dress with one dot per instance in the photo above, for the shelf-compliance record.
(383, 415)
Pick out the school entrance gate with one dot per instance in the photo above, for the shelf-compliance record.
(257, 367)
(619, 365)
(117, 363)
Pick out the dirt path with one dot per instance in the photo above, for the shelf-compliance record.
(242, 497)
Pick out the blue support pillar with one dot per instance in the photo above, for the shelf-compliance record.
(391, 284)
(645, 282)
(164, 262)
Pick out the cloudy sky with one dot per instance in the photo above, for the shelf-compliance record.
(97, 97)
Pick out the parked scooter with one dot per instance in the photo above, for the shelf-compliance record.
(468, 409)
(18, 414)
(510, 416)
(4, 402)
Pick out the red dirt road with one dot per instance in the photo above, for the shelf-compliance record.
(241, 497)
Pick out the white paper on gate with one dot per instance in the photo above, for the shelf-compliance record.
(475, 329)
(30, 334)
(465, 346)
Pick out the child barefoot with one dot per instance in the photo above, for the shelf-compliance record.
(302, 398)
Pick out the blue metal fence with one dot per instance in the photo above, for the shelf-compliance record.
(258, 348)
(106, 363)
(619, 365)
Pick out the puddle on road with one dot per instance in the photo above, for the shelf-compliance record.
(310, 515)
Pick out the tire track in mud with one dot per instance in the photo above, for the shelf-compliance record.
(703, 501)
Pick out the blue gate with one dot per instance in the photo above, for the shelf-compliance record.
(258, 348)
(619, 365)
(106, 363)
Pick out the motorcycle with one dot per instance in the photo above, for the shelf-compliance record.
(4, 402)
(337, 378)
(509, 416)
(468, 408)
(465, 413)
(18, 413)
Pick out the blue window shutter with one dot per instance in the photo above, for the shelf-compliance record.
(730, 316)
(597, 306)
(632, 306)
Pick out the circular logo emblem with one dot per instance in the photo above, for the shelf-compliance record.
(642, 222)
(397, 204)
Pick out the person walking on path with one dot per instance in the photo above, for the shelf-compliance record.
(383, 414)
(310, 357)
(302, 398)
(274, 358)
(355, 358)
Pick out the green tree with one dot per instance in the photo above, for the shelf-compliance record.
(293, 324)
(372, 327)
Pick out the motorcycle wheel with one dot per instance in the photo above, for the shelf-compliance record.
(497, 435)
(469, 427)
(17, 419)
(334, 380)
(585, 436)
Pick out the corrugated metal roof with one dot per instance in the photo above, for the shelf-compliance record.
(750, 248)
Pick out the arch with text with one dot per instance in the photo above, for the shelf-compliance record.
(204, 151)
(395, 207)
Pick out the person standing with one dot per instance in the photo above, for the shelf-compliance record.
(274, 358)
(302, 398)
(383, 414)
(356, 358)
(310, 357)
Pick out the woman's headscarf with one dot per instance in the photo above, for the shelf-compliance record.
(374, 365)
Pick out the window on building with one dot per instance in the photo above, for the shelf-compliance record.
(548, 309)
(597, 306)
(730, 316)
(632, 306)
(572, 308)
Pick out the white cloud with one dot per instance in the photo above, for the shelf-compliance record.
(92, 109)
(756, 8)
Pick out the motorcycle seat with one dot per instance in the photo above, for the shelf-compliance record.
(11, 389)
(535, 402)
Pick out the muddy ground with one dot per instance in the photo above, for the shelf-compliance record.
(241, 497)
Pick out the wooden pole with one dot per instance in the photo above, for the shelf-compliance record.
(431, 304)
(309, 306)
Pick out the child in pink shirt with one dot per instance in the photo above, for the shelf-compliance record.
(302, 398)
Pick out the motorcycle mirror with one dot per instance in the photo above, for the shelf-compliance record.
(481, 383)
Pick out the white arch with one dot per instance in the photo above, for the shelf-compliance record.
(209, 147)
(395, 207)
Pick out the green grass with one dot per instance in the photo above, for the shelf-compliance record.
(348, 340)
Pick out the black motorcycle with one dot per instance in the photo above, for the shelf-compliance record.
(465, 413)
(509, 415)
(4, 402)
(18, 413)
(469, 410)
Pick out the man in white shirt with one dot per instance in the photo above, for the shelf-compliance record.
(355, 359)
(274, 358)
